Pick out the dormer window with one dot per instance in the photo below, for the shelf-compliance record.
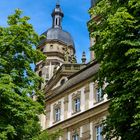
(62, 81)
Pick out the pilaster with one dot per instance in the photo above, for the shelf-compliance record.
(87, 97)
(66, 107)
(86, 132)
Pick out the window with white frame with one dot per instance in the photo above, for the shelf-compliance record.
(77, 104)
(99, 95)
(57, 114)
(99, 129)
(75, 137)
(57, 111)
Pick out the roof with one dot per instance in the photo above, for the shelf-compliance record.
(60, 35)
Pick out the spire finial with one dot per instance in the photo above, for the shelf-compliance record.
(57, 16)
(83, 57)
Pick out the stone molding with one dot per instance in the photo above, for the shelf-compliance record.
(89, 115)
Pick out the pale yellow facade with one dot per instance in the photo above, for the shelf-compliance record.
(92, 110)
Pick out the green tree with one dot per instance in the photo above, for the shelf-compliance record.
(18, 82)
(44, 135)
(117, 49)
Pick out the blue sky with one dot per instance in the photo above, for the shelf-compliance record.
(75, 18)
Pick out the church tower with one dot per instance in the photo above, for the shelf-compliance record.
(73, 101)
(58, 46)
(93, 40)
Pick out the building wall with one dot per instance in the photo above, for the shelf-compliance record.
(88, 99)
(61, 102)
(83, 122)
(55, 46)
(86, 130)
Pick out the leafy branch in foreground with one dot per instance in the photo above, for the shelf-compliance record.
(117, 49)
(44, 135)
(18, 82)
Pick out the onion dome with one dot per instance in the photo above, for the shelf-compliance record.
(56, 33)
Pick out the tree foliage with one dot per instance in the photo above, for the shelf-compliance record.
(117, 49)
(18, 82)
(44, 135)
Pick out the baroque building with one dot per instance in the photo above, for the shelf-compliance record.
(74, 102)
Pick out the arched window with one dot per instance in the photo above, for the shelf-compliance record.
(56, 21)
(62, 81)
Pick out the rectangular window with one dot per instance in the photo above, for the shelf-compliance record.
(77, 104)
(76, 137)
(57, 114)
(99, 132)
(99, 95)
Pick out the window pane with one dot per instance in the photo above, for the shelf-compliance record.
(99, 95)
(98, 132)
(76, 137)
(77, 104)
(57, 114)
